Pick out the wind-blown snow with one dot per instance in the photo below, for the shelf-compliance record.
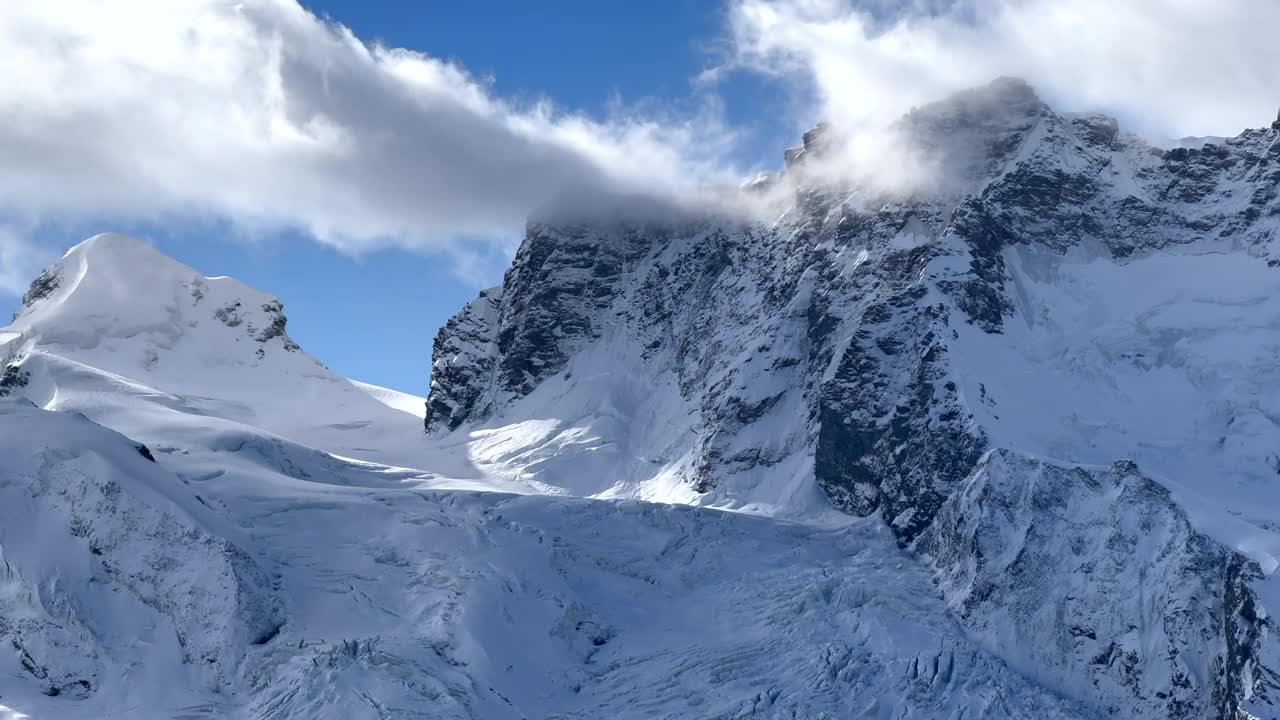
(402, 401)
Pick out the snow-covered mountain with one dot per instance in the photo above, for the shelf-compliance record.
(198, 520)
(1048, 368)
(996, 445)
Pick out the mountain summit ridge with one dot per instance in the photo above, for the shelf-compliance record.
(1061, 290)
(113, 286)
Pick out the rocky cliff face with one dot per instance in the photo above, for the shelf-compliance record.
(869, 348)
(1141, 615)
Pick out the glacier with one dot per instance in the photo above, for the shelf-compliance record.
(189, 532)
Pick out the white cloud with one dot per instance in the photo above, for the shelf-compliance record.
(260, 112)
(1174, 67)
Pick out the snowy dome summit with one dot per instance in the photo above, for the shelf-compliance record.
(117, 294)
(156, 341)
(1000, 445)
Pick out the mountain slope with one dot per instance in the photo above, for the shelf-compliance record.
(197, 521)
(1053, 288)
(141, 343)
(131, 589)
(999, 445)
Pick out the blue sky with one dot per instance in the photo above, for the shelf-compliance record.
(253, 138)
(373, 315)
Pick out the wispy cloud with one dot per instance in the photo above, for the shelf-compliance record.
(262, 113)
(259, 113)
(1175, 67)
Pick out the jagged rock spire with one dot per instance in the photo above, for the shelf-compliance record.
(1276, 125)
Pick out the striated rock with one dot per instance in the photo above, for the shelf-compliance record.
(1131, 582)
(463, 356)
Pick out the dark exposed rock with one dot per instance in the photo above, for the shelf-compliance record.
(1015, 516)
(42, 287)
(463, 357)
(233, 315)
(276, 326)
(12, 378)
(229, 314)
(829, 336)
(1097, 129)
(980, 294)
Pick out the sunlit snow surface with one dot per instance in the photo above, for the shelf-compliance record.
(1169, 360)
(298, 549)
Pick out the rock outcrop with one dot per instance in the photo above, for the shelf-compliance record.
(870, 347)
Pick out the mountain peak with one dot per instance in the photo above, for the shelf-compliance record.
(1003, 103)
(120, 267)
(126, 303)
(111, 243)
(952, 146)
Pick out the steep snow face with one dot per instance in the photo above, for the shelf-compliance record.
(134, 588)
(1060, 288)
(1131, 580)
(110, 571)
(1166, 359)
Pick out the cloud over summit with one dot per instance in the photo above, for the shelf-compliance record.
(1165, 67)
(265, 114)
(261, 113)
